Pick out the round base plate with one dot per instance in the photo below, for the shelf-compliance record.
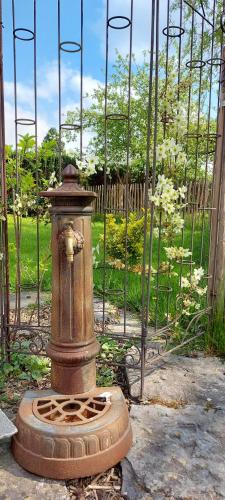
(65, 437)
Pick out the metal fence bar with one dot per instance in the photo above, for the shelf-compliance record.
(4, 263)
(193, 66)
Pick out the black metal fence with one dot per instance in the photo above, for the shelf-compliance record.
(152, 270)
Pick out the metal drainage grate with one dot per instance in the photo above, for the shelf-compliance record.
(63, 410)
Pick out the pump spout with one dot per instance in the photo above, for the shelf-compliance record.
(73, 241)
(70, 243)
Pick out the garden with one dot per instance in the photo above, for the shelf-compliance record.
(148, 140)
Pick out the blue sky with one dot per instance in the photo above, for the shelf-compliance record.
(94, 54)
(47, 77)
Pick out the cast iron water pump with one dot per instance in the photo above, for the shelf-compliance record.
(75, 429)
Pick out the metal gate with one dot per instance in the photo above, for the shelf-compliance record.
(154, 280)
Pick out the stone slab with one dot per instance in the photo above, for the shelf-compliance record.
(18, 484)
(180, 378)
(7, 428)
(177, 454)
(179, 433)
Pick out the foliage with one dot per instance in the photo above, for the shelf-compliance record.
(125, 239)
(111, 351)
(167, 203)
(52, 137)
(26, 367)
(172, 121)
(215, 335)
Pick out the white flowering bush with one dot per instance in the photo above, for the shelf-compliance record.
(89, 165)
(177, 253)
(22, 204)
(168, 202)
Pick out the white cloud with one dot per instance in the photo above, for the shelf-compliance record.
(70, 82)
(119, 39)
(25, 93)
(89, 83)
(47, 95)
(141, 26)
(43, 124)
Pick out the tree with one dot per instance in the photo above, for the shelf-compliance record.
(172, 119)
(52, 137)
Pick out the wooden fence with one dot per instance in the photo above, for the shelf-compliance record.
(198, 197)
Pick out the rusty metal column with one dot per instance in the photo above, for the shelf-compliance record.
(73, 346)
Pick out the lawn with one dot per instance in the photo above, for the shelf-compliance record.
(116, 280)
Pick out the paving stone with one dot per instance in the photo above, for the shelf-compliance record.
(7, 428)
(177, 454)
(181, 378)
(28, 298)
(18, 484)
(179, 439)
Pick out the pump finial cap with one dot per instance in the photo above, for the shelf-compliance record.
(70, 174)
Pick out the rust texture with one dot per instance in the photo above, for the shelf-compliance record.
(59, 451)
(73, 346)
(75, 429)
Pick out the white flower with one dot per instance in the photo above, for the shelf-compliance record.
(175, 150)
(197, 275)
(52, 179)
(201, 291)
(182, 191)
(177, 253)
(93, 160)
(161, 152)
(185, 283)
(178, 223)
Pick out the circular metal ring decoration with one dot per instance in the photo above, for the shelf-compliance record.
(185, 262)
(195, 64)
(213, 135)
(24, 38)
(163, 288)
(178, 31)
(193, 135)
(196, 135)
(124, 18)
(24, 121)
(116, 116)
(216, 61)
(76, 45)
(114, 291)
(70, 126)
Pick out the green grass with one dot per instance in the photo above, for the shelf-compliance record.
(115, 279)
(29, 252)
(162, 302)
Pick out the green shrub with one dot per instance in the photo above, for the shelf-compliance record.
(125, 238)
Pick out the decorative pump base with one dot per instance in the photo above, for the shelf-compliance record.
(70, 437)
(75, 429)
